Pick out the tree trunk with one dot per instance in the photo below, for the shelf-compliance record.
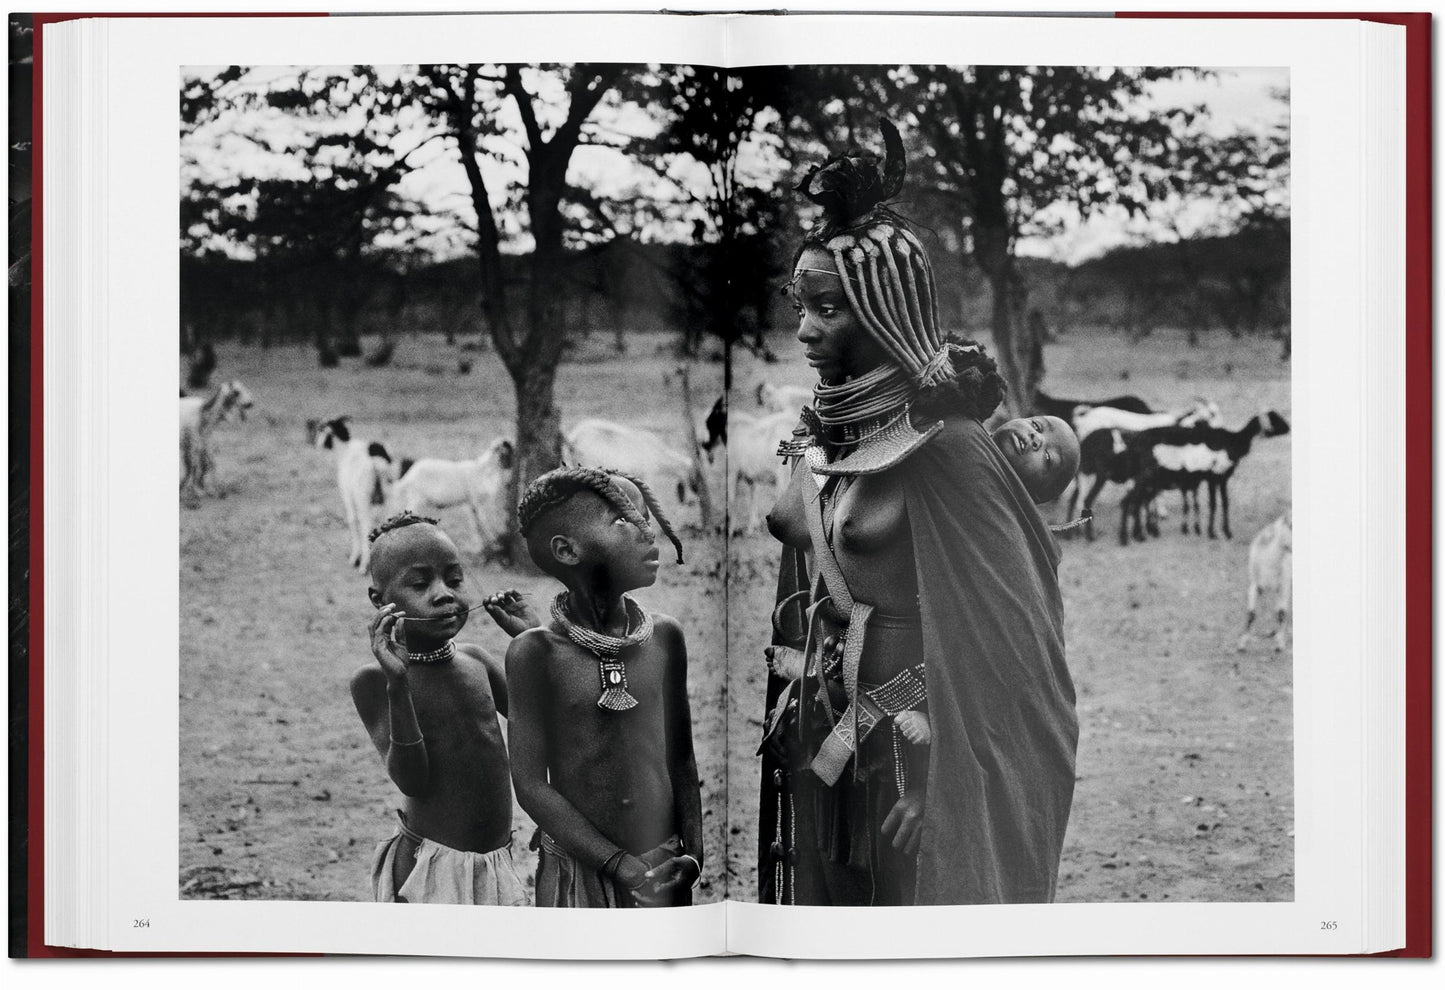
(1019, 354)
(538, 447)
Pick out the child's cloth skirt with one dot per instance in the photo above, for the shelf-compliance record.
(443, 875)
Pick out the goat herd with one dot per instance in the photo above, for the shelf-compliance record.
(1122, 441)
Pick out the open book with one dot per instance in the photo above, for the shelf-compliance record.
(1080, 262)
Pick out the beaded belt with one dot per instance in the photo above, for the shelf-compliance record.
(905, 691)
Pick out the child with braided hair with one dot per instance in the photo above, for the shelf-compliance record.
(600, 726)
(430, 705)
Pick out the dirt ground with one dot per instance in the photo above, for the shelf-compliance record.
(282, 794)
(1185, 787)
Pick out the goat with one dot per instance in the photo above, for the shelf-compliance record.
(717, 426)
(482, 485)
(198, 417)
(1102, 450)
(783, 398)
(364, 474)
(1087, 419)
(1103, 457)
(1183, 457)
(601, 443)
(1271, 565)
(1047, 405)
(753, 460)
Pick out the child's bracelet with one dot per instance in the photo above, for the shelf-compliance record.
(415, 742)
(610, 865)
(698, 879)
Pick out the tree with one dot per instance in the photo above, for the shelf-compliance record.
(314, 214)
(468, 101)
(1018, 146)
(364, 137)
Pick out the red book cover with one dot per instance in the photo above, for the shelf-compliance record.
(27, 608)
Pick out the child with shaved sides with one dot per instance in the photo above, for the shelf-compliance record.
(600, 730)
(430, 705)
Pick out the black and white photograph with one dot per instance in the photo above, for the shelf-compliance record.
(613, 485)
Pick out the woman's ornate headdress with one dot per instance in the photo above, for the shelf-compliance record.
(888, 281)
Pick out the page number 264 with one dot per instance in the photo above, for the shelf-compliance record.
(1329, 926)
(141, 923)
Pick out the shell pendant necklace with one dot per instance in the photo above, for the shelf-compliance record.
(610, 666)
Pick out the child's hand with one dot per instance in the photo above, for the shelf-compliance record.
(914, 726)
(388, 641)
(666, 881)
(510, 610)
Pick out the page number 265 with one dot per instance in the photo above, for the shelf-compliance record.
(1329, 926)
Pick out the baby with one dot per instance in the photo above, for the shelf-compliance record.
(430, 705)
(600, 725)
(1044, 453)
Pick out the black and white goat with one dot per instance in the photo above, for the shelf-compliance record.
(364, 474)
(1087, 419)
(198, 417)
(1178, 457)
(1047, 405)
(1103, 456)
(1271, 572)
(1103, 446)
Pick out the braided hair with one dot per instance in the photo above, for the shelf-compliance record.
(556, 488)
(401, 520)
(888, 281)
(885, 270)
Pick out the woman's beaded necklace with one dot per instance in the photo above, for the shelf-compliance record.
(610, 665)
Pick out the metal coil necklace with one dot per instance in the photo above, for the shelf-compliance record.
(610, 666)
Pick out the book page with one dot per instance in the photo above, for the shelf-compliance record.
(245, 818)
(1208, 781)
(398, 289)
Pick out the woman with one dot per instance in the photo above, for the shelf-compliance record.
(921, 729)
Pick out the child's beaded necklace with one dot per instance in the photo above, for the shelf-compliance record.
(442, 654)
(610, 665)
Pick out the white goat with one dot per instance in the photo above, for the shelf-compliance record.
(753, 460)
(1090, 418)
(601, 443)
(364, 474)
(1271, 568)
(431, 485)
(198, 417)
(784, 398)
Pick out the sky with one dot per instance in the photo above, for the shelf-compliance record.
(1235, 99)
